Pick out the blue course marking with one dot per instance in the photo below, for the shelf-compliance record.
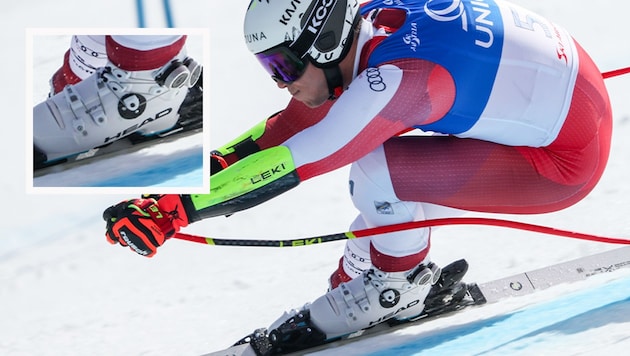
(521, 330)
(181, 172)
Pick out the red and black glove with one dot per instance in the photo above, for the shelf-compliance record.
(145, 224)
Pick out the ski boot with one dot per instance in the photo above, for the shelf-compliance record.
(109, 105)
(368, 300)
(190, 115)
(299, 330)
(449, 293)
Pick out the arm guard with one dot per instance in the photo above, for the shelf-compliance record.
(250, 181)
(245, 144)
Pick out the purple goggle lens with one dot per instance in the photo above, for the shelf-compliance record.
(282, 64)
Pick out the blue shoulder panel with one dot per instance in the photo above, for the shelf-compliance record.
(463, 36)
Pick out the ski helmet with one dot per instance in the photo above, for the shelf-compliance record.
(284, 34)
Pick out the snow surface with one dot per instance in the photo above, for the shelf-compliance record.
(65, 291)
(169, 165)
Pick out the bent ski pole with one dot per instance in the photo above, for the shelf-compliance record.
(616, 72)
(400, 227)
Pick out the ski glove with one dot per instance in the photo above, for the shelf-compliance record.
(144, 224)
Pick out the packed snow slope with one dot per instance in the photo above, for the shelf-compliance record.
(66, 291)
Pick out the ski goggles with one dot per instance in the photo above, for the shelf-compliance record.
(282, 64)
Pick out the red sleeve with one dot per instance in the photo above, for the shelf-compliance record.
(340, 132)
(415, 92)
(295, 118)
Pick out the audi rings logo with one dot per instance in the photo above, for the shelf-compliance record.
(375, 80)
(450, 13)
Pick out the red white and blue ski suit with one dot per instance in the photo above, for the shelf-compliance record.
(518, 116)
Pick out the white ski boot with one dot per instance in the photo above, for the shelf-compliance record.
(109, 105)
(370, 299)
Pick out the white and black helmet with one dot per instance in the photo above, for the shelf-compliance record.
(279, 32)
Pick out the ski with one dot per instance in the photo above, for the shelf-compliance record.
(465, 295)
(123, 146)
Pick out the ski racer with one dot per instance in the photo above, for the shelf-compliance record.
(110, 87)
(514, 114)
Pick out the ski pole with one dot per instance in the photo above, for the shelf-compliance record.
(168, 14)
(616, 72)
(140, 13)
(313, 240)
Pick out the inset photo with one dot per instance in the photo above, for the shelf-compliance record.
(118, 110)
